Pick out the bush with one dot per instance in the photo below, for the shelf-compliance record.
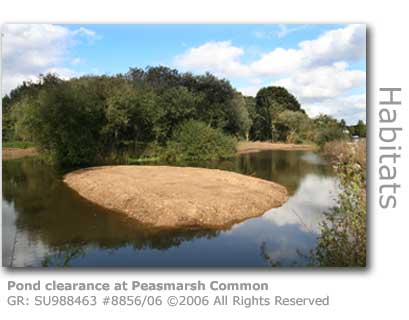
(342, 242)
(194, 140)
(343, 152)
(293, 127)
(328, 129)
(66, 124)
(330, 133)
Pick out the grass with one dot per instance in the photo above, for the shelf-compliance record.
(142, 160)
(17, 144)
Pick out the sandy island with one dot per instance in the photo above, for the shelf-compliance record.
(174, 197)
(255, 146)
(16, 153)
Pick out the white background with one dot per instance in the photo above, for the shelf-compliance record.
(381, 290)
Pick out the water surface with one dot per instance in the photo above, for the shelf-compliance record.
(47, 224)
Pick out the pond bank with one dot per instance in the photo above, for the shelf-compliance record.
(17, 153)
(175, 197)
(255, 146)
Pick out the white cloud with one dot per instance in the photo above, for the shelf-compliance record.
(254, 85)
(85, 32)
(76, 61)
(350, 108)
(282, 31)
(261, 34)
(89, 35)
(343, 44)
(322, 82)
(33, 49)
(316, 71)
(220, 58)
(250, 90)
(277, 62)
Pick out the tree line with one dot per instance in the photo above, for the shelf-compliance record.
(155, 111)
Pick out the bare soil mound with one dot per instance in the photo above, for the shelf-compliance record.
(174, 197)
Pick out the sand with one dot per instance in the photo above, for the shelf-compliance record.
(176, 197)
(16, 153)
(255, 146)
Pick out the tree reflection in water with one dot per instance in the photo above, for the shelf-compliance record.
(54, 226)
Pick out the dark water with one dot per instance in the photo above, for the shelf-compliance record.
(47, 224)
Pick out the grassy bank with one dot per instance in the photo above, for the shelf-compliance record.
(17, 144)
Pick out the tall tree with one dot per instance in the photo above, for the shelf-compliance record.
(270, 101)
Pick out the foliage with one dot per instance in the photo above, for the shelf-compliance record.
(16, 100)
(195, 140)
(65, 121)
(64, 256)
(251, 110)
(130, 115)
(358, 130)
(92, 119)
(293, 127)
(239, 119)
(328, 129)
(342, 241)
(17, 144)
(271, 101)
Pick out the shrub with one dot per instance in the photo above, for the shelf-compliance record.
(328, 129)
(342, 242)
(343, 152)
(293, 126)
(194, 140)
(66, 124)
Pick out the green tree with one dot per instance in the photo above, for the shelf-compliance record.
(361, 129)
(271, 101)
(66, 121)
(177, 105)
(130, 115)
(251, 110)
(293, 127)
(239, 122)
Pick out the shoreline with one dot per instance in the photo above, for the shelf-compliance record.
(241, 148)
(256, 146)
(17, 153)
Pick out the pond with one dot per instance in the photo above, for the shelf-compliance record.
(47, 224)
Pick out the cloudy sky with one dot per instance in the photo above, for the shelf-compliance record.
(324, 66)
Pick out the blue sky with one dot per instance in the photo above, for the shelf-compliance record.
(323, 65)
